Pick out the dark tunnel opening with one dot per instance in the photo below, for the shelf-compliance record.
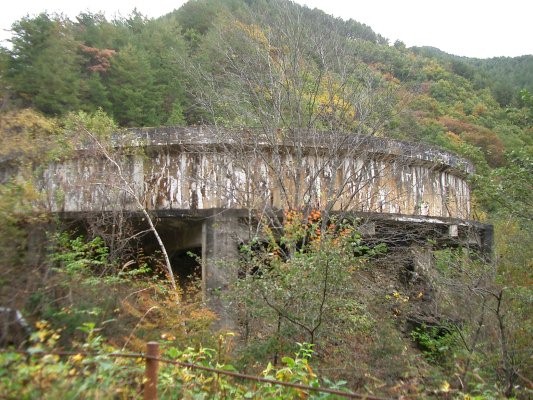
(187, 268)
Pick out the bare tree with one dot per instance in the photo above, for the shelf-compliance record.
(127, 187)
(99, 176)
(302, 93)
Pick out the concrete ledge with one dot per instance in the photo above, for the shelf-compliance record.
(212, 136)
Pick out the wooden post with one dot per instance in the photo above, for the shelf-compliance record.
(150, 372)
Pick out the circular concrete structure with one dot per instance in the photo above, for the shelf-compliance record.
(202, 168)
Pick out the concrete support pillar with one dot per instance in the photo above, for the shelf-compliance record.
(487, 242)
(422, 260)
(36, 243)
(424, 270)
(221, 235)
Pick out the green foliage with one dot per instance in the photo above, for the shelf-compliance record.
(78, 256)
(515, 73)
(298, 284)
(94, 94)
(12, 236)
(250, 73)
(505, 76)
(198, 16)
(98, 123)
(486, 302)
(526, 101)
(436, 342)
(176, 117)
(128, 67)
(47, 376)
(92, 371)
(131, 78)
(83, 283)
(247, 63)
(511, 186)
(190, 383)
(181, 69)
(27, 137)
(89, 261)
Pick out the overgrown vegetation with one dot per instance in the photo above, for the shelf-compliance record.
(297, 284)
(95, 369)
(461, 330)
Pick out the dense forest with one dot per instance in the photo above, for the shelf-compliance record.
(505, 77)
(268, 65)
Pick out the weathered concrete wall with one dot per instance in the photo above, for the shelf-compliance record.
(199, 169)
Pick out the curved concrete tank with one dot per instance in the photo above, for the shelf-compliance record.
(201, 168)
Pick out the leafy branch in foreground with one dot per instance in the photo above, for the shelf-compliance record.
(94, 369)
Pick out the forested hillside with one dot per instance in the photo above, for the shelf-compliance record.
(505, 76)
(269, 65)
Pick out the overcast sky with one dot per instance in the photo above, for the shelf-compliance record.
(472, 28)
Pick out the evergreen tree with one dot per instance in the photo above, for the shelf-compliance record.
(44, 65)
(131, 82)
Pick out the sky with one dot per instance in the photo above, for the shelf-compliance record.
(471, 28)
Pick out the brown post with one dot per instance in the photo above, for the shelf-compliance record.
(150, 373)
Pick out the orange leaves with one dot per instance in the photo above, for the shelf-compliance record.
(476, 135)
(297, 227)
(314, 216)
(100, 58)
(294, 216)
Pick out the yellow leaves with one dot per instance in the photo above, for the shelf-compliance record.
(434, 70)
(479, 109)
(391, 78)
(284, 374)
(27, 138)
(254, 32)
(454, 138)
(98, 124)
(353, 268)
(77, 358)
(168, 336)
(310, 371)
(269, 368)
(187, 376)
(26, 133)
(202, 314)
(27, 121)
(42, 335)
(445, 387)
(42, 324)
(397, 297)
(330, 102)
(50, 359)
